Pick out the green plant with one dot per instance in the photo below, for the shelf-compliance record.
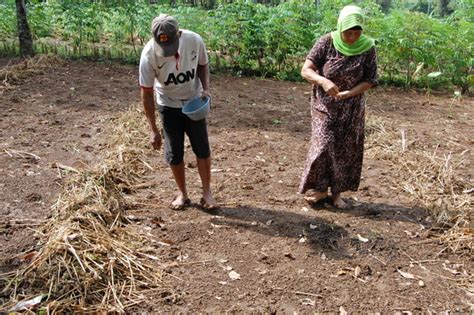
(431, 76)
(249, 38)
(457, 96)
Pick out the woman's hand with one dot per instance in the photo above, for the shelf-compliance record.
(329, 87)
(344, 95)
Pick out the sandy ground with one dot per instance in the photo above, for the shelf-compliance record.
(289, 257)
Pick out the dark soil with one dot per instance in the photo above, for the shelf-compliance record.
(290, 257)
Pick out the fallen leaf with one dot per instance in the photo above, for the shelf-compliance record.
(357, 272)
(289, 255)
(304, 209)
(28, 256)
(453, 271)
(421, 283)
(308, 301)
(28, 304)
(406, 274)
(182, 257)
(234, 275)
(158, 221)
(342, 311)
(313, 227)
(269, 222)
(362, 239)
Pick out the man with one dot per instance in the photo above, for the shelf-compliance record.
(174, 68)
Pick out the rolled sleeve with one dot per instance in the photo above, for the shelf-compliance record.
(317, 54)
(370, 68)
(203, 58)
(146, 73)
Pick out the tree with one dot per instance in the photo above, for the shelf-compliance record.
(385, 5)
(443, 8)
(24, 33)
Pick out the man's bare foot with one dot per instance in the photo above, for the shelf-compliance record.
(316, 197)
(180, 202)
(338, 202)
(208, 202)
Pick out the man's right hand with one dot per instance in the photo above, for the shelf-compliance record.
(155, 140)
(330, 87)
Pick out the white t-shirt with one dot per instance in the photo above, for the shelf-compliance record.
(174, 80)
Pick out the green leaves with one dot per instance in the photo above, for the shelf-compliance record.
(434, 74)
(250, 38)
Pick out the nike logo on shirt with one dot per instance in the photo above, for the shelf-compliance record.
(159, 67)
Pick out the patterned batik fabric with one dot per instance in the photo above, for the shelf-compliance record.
(336, 147)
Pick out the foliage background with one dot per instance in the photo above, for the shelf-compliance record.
(419, 43)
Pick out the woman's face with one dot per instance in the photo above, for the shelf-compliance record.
(351, 36)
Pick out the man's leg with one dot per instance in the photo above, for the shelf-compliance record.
(204, 168)
(180, 179)
(197, 133)
(173, 127)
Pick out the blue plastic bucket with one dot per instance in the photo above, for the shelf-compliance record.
(198, 108)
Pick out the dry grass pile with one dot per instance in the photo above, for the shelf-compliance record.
(13, 74)
(435, 180)
(88, 258)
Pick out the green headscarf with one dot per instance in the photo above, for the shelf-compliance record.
(349, 17)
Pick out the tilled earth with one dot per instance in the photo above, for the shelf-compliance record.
(265, 249)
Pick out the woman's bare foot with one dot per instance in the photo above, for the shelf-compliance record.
(316, 197)
(180, 202)
(338, 202)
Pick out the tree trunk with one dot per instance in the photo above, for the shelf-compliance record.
(385, 4)
(210, 4)
(24, 33)
(443, 7)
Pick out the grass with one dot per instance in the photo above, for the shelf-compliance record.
(434, 180)
(89, 258)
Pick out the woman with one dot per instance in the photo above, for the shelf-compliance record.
(341, 66)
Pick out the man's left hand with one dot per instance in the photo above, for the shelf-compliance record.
(205, 93)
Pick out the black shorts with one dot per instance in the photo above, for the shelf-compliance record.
(175, 125)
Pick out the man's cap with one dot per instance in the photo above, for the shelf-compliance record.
(165, 32)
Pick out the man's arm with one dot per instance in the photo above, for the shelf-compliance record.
(203, 75)
(149, 106)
